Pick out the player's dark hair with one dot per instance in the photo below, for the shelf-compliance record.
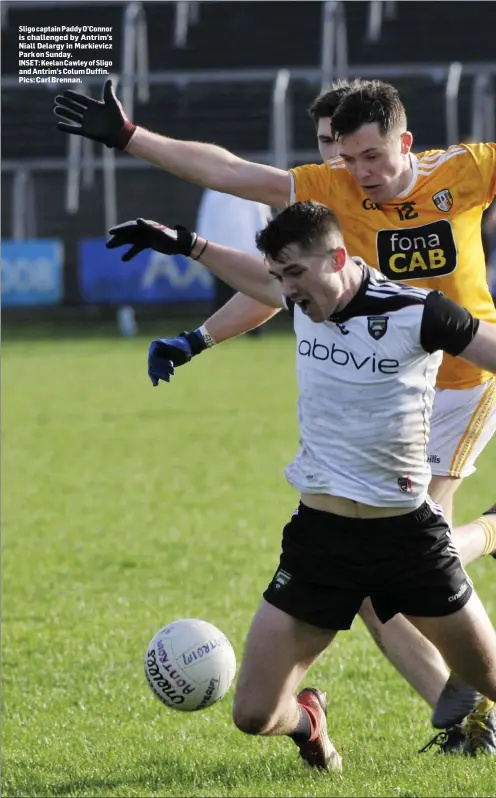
(369, 101)
(305, 223)
(327, 101)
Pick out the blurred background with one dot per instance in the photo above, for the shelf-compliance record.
(240, 74)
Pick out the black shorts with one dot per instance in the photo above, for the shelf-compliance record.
(330, 564)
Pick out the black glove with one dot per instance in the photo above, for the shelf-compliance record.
(99, 120)
(145, 234)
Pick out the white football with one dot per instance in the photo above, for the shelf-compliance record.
(190, 664)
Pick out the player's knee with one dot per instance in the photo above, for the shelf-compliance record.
(249, 719)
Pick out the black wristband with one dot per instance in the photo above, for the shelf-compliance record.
(195, 340)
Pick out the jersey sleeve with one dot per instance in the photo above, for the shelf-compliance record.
(312, 182)
(446, 325)
(485, 158)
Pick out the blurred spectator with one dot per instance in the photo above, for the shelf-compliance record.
(233, 222)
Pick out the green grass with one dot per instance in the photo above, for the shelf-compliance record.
(125, 507)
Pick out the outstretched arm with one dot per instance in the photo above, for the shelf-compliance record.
(246, 273)
(206, 164)
(236, 317)
(213, 167)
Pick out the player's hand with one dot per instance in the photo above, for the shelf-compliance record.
(100, 120)
(145, 234)
(166, 353)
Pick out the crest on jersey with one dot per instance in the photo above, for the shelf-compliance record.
(443, 200)
(405, 484)
(377, 326)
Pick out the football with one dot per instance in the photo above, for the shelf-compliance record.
(190, 664)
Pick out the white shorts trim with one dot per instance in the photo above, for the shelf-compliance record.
(462, 424)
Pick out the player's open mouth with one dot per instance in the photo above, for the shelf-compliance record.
(302, 304)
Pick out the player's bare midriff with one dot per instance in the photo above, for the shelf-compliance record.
(349, 508)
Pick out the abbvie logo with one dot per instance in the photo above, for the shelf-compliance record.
(346, 358)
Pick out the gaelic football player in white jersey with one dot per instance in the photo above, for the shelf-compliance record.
(409, 195)
(365, 526)
(413, 217)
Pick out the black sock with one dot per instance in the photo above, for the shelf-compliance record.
(303, 730)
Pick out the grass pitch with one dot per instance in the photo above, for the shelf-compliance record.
(125, 507)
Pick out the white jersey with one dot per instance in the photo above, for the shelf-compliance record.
(366, 381)
(231, 221)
